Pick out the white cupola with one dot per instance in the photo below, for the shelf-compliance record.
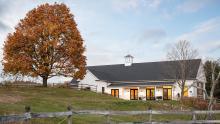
(128, 60)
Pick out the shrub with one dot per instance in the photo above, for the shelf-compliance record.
(195, 103)
(216, 106)
(199, 103)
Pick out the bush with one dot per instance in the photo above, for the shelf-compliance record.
(216, 106)
(188, 101)
(18, 83)
(199, 104)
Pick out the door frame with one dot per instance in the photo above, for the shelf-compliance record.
(103, 90)
(114, 92)
(134, 94)
(167, 93)
(151, 98)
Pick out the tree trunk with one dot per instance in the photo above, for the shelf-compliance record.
(45, 81)
(214, 82)
(182, 89)
(182, 93)
(211, 98)
(211, 101)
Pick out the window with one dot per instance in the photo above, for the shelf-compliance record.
(150, 93)
(167, 93)
(115, 92)
(134, 94)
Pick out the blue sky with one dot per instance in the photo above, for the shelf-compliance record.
(144, 28)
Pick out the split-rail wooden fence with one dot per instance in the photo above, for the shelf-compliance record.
(28, 115)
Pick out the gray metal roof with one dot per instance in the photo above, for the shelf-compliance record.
(141, 84)
(74, 81)
(163, 70)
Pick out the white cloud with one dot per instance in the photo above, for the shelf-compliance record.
(202, 29)
(105, 47)
(153, 35)
(205, 37)
(102, 54)
(123, 5)
(153, 3)
(186, 7)
(210, 46)
(189, 6)
(135, 4)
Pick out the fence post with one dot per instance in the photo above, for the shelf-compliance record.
(150, 114)
(69, 120)
(27, 114)
(108, 117)
(193, 115)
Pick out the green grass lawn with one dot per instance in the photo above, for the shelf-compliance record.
(13, 101)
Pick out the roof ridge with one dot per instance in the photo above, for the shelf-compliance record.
(143, 62)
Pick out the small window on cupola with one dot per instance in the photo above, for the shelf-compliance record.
(128, 60)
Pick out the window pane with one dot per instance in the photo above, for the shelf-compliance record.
(169, 93)
(136, 94)
(132, 94)
(148, 94)
(116, 93)
(112, 92)
(152, 93)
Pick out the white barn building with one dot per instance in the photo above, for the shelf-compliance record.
(144, 81)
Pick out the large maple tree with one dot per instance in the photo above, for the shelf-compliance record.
(45, 43)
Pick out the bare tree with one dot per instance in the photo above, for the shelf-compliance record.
(214, 81)
(182, 52)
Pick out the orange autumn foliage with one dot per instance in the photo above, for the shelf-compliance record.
(45, 43)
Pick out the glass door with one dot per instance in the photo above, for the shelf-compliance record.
(167, 93)
(134, 94)
(150, 94)
(115, 92)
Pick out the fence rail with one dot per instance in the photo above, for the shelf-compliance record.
(90, 87)
(28, 115)
(178, 122)
(96, 112)
(20, 85)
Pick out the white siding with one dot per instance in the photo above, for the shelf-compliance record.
(192, 91)
(90, 79)
(175, 91)
(159, 92)
(201, 77)
(101, 84)
(124, 92)
(201, 74)
(142, 92)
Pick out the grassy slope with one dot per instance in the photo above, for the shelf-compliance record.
(13, 100)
